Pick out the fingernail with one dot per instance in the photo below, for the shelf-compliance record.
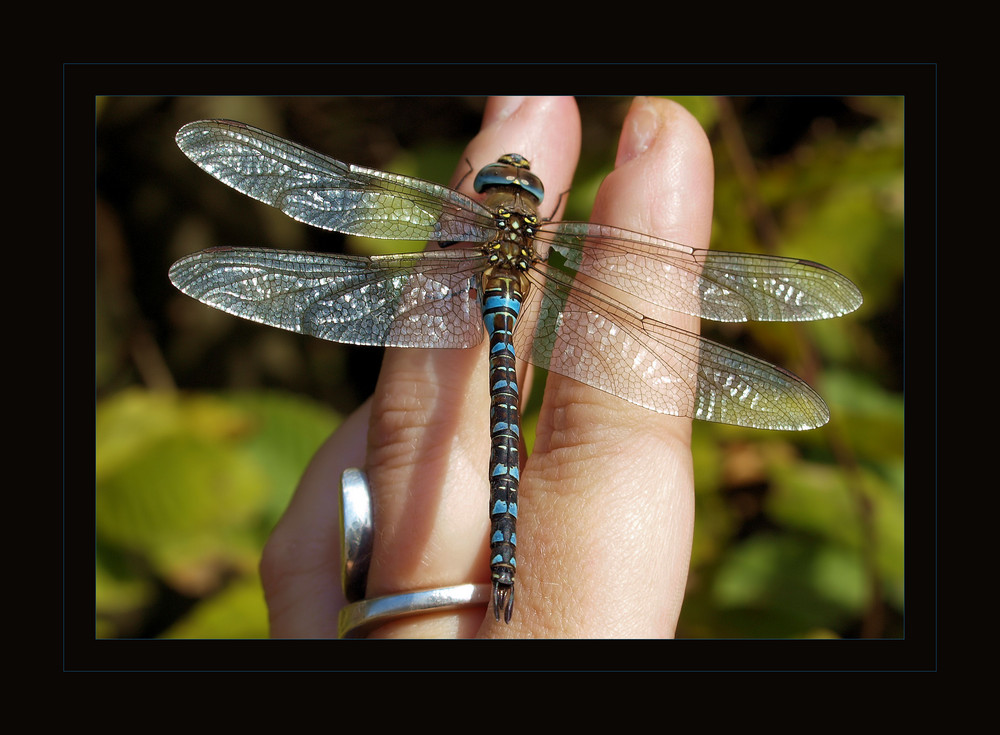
(504, 107)
(642, 124)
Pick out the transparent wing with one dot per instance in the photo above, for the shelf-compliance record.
(727, 287)
(326, 193)
(415, 300)
(582, 334)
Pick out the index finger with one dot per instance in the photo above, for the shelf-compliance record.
(429, 437)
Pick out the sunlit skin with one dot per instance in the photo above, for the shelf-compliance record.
(606, 497)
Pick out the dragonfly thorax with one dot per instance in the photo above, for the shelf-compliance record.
(513, 244)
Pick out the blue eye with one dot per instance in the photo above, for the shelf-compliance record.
(512, 169)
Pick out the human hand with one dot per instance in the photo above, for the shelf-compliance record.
(606, 497)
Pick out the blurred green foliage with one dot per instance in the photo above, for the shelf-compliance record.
(797, 534)
(188, 488)
(802, 534)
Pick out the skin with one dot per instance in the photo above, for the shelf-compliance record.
(606, 497)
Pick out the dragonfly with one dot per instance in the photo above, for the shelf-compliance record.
(548, 292)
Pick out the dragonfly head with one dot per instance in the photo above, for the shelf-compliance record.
(511, 169)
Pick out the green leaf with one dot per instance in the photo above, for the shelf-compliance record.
(189, 486)
(238, 611)
(793, 583)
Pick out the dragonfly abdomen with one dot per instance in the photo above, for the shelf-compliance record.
(501, 306)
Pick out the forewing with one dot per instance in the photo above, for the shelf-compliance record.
(327, 193)
(717, 285)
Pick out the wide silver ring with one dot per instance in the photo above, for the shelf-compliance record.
(357, 534)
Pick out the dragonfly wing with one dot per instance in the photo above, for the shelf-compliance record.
(417, 300)
(717, 285)
(326, 193)
(580, 333)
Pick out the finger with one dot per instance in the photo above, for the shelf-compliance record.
(428, 443)
(607, 496)
(300, 565)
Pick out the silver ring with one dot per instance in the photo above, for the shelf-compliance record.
(357, 535)
(358, 618)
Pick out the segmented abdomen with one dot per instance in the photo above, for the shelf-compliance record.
(501, 306)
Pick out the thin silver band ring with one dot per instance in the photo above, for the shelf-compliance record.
(357, 534)
(358, 618)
